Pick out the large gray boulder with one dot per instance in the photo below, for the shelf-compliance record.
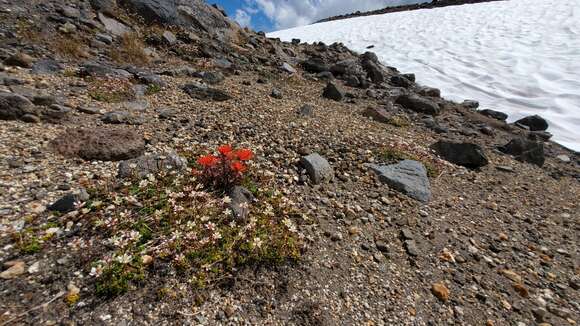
(14, 106)
(100, 143)
(153, 164)
(195, 14)
(317, 168)
(408, 177)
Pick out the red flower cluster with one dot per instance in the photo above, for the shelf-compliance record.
(225, 169)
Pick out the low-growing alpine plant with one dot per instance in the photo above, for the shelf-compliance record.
(184, 222)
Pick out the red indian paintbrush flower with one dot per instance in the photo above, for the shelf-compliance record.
(238, 166)
(225, 149)
(244, 154)
(208, 160)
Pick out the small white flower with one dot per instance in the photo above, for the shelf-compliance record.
(227, 200)
(176, 235)
(124, 259)
(134, 235)
(216, 235)
(290, 225)
(143, 183)
(257, 242)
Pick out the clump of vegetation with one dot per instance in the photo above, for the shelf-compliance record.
(399, 121)
(118, 276)
(27, 241)
(69, 48)
(184, 221)
(152, 89)
(111, 90)
(396, 154)
(131, 50)
(28, 31)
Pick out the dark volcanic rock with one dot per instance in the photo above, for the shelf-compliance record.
(103, 144)
(374, 71)
(105, 6)
(430, 91)
(470, 104)
(212, 77)
(19, 60)
(464, 154)
(68, 202)
(333, 92)
(408, 177)
(494, 114)
(369, 56)
(533, 122)
(92, 69)
(46, 66)
(306, 110)
(401, 81)
(121, 117)
(55, 112)
(14, 106)
(377, 114)
(203, 92)
(315, 65)
(418, 104)
(345, 67)
(276, 93)
(525, 150)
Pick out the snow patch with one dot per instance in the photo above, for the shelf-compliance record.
(521, 57)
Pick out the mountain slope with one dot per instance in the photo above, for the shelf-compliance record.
(203, 174)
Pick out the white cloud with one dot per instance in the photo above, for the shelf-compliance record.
(243, 18)
(290, 13)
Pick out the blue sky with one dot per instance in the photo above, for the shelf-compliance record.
(270, 15)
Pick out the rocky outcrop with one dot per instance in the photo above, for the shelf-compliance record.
(196, 14)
